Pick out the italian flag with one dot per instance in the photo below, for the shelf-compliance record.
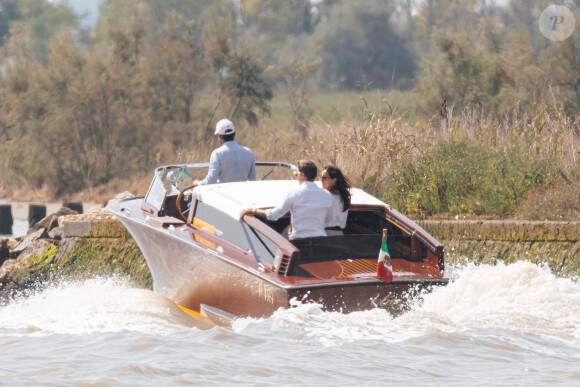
(384, 265)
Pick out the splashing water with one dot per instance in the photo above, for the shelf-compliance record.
(522, 296)
(95, 305)
(491, 324)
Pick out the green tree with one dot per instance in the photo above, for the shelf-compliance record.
(176, 70)
(244, 85)
(525, 14)
(115, 13)
(241, 89)
(294, 76)
(84, 131)
(447, 15)
(45, 21)
(22, 106)
(360, 45)
(455, 73)
(561, 61)
(278, 18)
(8, 14)
(487, 63)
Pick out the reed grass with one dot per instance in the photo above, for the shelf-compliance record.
(525, 164)
(457, 164)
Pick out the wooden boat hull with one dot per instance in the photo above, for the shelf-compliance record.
(192, 276)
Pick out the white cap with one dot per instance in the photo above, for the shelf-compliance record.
(224, 127)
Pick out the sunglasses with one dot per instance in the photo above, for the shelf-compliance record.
(325, 178)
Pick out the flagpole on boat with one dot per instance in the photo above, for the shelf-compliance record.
(384, 265)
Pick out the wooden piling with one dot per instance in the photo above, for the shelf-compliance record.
(36, 212)
(6, 220)
(76, 206)
(4, 251)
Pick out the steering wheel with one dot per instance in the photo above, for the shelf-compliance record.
(178, 201)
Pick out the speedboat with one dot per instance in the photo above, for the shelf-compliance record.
(218, 267)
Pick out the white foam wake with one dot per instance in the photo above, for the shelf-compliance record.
(521, 296)
(95, 305)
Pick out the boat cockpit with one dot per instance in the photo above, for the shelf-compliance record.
(268, 240)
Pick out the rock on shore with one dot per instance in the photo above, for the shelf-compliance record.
(66, 246)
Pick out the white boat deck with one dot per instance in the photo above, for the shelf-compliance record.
(232, 198)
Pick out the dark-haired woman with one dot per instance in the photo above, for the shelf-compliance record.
(339, 186)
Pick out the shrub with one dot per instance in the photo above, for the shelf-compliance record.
(465, 177)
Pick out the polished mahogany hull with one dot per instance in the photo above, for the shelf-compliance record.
(193, 275)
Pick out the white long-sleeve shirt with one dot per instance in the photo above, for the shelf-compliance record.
(309, 206)
(230, 162)
(336, 216)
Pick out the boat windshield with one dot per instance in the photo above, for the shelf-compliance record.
(170, 180)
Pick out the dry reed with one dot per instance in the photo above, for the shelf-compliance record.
(368, 150)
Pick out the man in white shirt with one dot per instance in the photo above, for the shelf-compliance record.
(309, 205)
(230, 162)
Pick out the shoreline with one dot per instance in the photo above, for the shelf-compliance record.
(97, 244)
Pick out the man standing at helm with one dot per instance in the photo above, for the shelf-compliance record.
(230, 162)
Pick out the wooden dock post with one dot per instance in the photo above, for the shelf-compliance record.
(76, 206)
(6, 220)
(4, 251)
(36, 212)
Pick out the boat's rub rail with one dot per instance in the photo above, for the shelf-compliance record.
(396, 281)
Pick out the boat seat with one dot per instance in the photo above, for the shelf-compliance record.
(339, 246)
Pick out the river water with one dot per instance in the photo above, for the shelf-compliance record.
(501, 325)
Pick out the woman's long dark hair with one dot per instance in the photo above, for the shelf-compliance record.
(341, 187)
